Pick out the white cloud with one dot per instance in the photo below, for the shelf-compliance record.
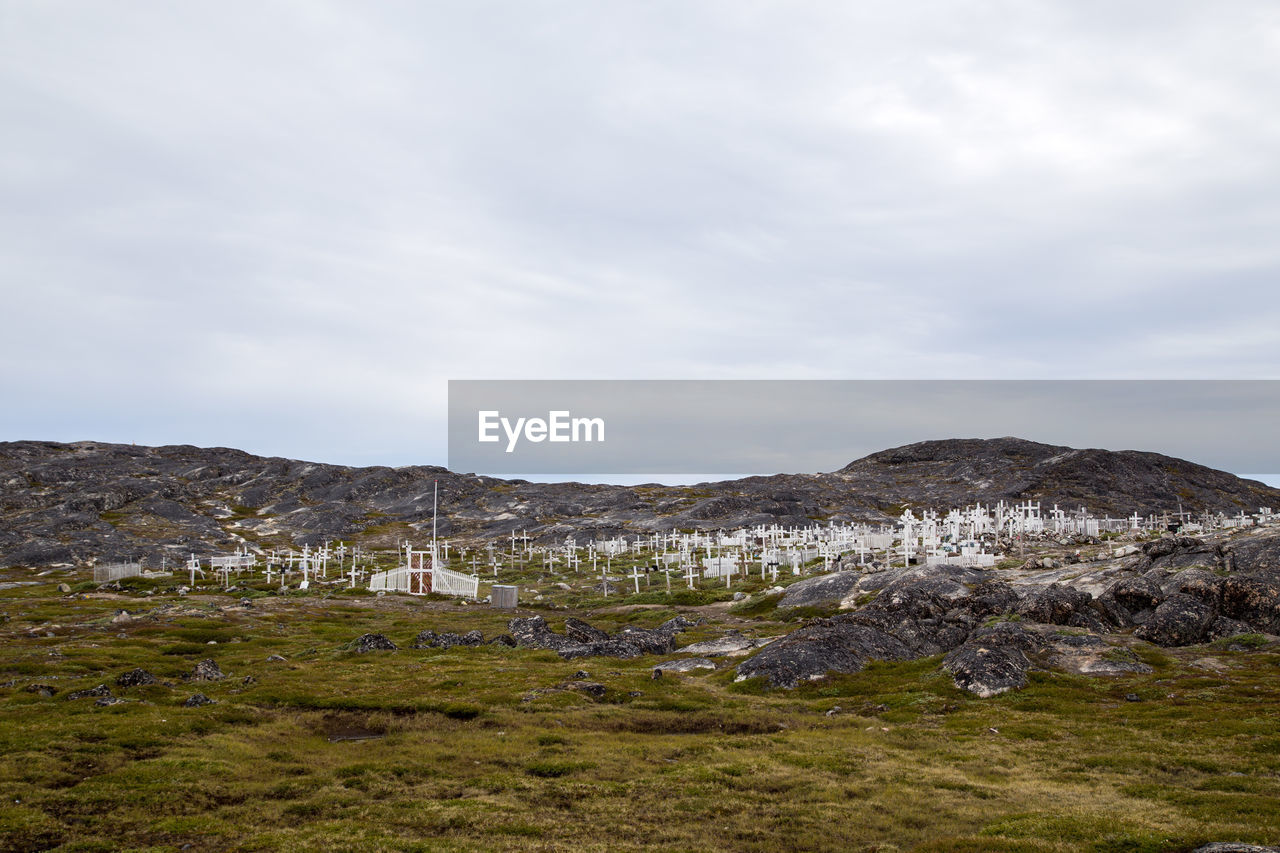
(236, 207)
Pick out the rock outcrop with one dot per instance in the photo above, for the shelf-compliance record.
(446, 640)
(135, 678)
(206, 670)
(533, 632)
(371, 643)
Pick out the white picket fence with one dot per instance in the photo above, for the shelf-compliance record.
(116, 571)
(448, 582)
(421, 581)
(719, 567)
(234, 561)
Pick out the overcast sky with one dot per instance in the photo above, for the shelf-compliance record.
(282, 226)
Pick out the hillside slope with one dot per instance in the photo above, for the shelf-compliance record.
(64, 503)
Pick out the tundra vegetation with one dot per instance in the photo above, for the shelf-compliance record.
(310, 744)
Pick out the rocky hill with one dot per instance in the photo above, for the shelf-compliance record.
(959, 471)
(67, 503)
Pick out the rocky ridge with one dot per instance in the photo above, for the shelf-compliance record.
(74, 503)
(1178, 591)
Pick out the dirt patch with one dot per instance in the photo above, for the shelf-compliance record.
(632, 608)
(337, 727)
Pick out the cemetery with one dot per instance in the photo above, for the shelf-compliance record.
(519, 693)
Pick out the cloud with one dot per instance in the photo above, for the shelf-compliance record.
(284, 226)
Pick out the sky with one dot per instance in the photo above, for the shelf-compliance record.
(284, 226)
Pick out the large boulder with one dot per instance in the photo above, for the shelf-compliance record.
(372, 643)
(446, 640)
(656, 641)
(827, 645)
(1136, 594)
(919, 612)
(135, 678)
(994, 659)
(614, 647)
(987, 671)
(630, 642)
(1180, 552)
(534, 633)
(1059, 605)
(924, 635)
(1180, 620)
(942, 582)
(991, 598)
(1197, 583)
(1089, 654)
(583, 632)
(733, 644)
(1255, 555)
(206, 670)
(685, 665)
(1129, 601)
(91, 693)
(1253, 598)
(821, 591)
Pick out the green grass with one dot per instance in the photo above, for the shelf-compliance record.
(488, 748)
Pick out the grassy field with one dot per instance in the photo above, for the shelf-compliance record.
(494, 748)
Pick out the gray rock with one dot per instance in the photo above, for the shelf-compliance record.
(582, 632)
(1197, 583)
(197, 700)
(372, 643)
(1013, 634)
(446, 640)
(987, 671)
(650, 641)
(733, 645)
(823, 590)
(591, 688)
(994, 659)
(1091, 655)
(827, 645)
(943, 583)
(45, 690)
(919, 612)
(1234, 847)
(991, 598)
(533, 632)
(206, 670)
(276, 659)
(1253, 598)
(1179, 552)
(1057, 605)
(1224, 627)
(1180, 620)
(612, 648)
(685, 665)
(1135, 594)
(630, 642)
(135, 678)
(92, 693)
(1255, 555)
